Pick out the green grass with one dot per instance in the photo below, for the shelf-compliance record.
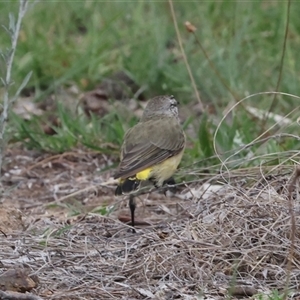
(64, 42)
(80, 43)
(273, 295)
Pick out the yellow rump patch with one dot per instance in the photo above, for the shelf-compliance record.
(144, 175)
(160, 172)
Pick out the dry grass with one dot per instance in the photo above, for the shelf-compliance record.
(233, 242)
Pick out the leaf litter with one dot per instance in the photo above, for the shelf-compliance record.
(210, 240)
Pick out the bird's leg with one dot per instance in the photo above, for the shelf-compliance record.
(170, 181)
(132, 206)
(171, 185)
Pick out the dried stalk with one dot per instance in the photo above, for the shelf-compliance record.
(8, 57)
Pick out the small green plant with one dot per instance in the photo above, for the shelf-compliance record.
(103, 210)
(101, 134)
(273, 295)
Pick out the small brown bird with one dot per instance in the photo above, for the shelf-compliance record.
(152, 149)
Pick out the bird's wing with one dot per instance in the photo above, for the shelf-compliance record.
(150, 143)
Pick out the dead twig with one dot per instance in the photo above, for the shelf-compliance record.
(7, 295)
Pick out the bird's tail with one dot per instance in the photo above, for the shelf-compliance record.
(127, 185)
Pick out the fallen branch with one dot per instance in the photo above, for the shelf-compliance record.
(7, 295)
